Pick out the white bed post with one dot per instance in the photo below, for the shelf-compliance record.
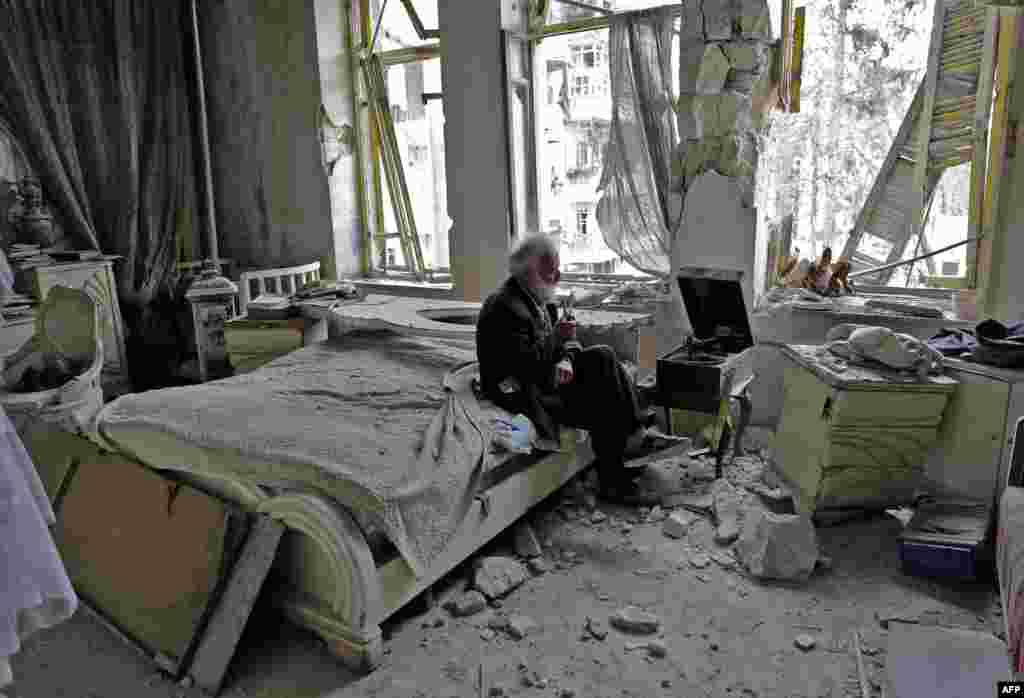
(211, 295)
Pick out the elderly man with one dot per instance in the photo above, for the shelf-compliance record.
(531, 363)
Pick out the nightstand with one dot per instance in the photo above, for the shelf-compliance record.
(97, 277)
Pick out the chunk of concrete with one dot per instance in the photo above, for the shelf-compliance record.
(805, 643)
(526, 543)
(755, 20)
(632, 619)
(774, 546)
(520, 626)
(538, 565)
(497, 576)
(719, 18)
(678, 524)
(466, 604)
(711, 72)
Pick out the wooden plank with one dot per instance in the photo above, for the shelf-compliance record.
(1006, 42)
(221, 636)
(982, 113)
(885, 174)
(928, 106)
(147, 552)
(796, 79)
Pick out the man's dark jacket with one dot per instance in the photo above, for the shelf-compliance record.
(513, 342)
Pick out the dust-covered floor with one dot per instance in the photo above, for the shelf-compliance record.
(724, 633)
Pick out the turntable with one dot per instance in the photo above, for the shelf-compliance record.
(700, 372)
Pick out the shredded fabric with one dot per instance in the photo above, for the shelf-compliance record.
(367, 420)
(35, 592)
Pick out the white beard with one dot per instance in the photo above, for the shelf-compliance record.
(546, 293)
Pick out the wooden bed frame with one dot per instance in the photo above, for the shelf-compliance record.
(335, 579)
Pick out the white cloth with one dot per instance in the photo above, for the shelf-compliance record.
(35, 592)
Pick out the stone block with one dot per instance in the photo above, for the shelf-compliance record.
(774, 546)
(719, 19)
(712, 71)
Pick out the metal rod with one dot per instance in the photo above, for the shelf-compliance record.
(904, 262)
(417, 23)
(204, 140)
(376, 30)
(586, 6)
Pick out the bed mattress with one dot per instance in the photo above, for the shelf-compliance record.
(364, 419)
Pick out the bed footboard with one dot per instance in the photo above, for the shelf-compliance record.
(331, 585)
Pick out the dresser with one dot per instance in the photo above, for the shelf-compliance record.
(854, 437)
(972, 456)
(96, 277)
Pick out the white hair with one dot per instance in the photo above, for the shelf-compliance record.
(531, 247)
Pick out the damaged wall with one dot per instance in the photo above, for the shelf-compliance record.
(336, 87)
(263, 101)
(724, 91)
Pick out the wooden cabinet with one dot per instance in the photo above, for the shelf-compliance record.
(98, 278)
(972, 455)
(854, 437)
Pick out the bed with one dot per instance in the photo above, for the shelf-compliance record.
(371, 449)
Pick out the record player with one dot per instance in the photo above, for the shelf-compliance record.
(701, 371)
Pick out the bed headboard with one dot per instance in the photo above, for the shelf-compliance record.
(283, 281)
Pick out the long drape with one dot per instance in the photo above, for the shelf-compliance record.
(639, 213)
(97, 93)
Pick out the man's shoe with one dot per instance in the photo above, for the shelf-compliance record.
(629, 493)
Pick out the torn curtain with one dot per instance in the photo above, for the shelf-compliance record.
(639, 212)
(97, 93)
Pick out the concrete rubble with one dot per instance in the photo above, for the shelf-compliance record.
(678, 524)
(466, 604)
(632, 619)
(727, 511)
(774, 546)
(496, 576)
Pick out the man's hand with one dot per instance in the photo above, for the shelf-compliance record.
(567, 329)
(563, 372)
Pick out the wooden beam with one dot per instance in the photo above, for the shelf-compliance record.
(1006, 46)
(931, 81)
(797, 61)
(982, 112)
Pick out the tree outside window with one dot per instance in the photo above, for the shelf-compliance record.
(580, 86)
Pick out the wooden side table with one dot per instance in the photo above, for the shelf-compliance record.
(96, 276)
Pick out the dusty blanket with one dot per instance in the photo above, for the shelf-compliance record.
(364, 419)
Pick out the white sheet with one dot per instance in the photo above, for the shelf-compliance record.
(35, 591)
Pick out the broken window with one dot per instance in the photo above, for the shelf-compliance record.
(421, 137)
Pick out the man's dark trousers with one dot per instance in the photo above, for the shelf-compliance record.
(601, 399)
